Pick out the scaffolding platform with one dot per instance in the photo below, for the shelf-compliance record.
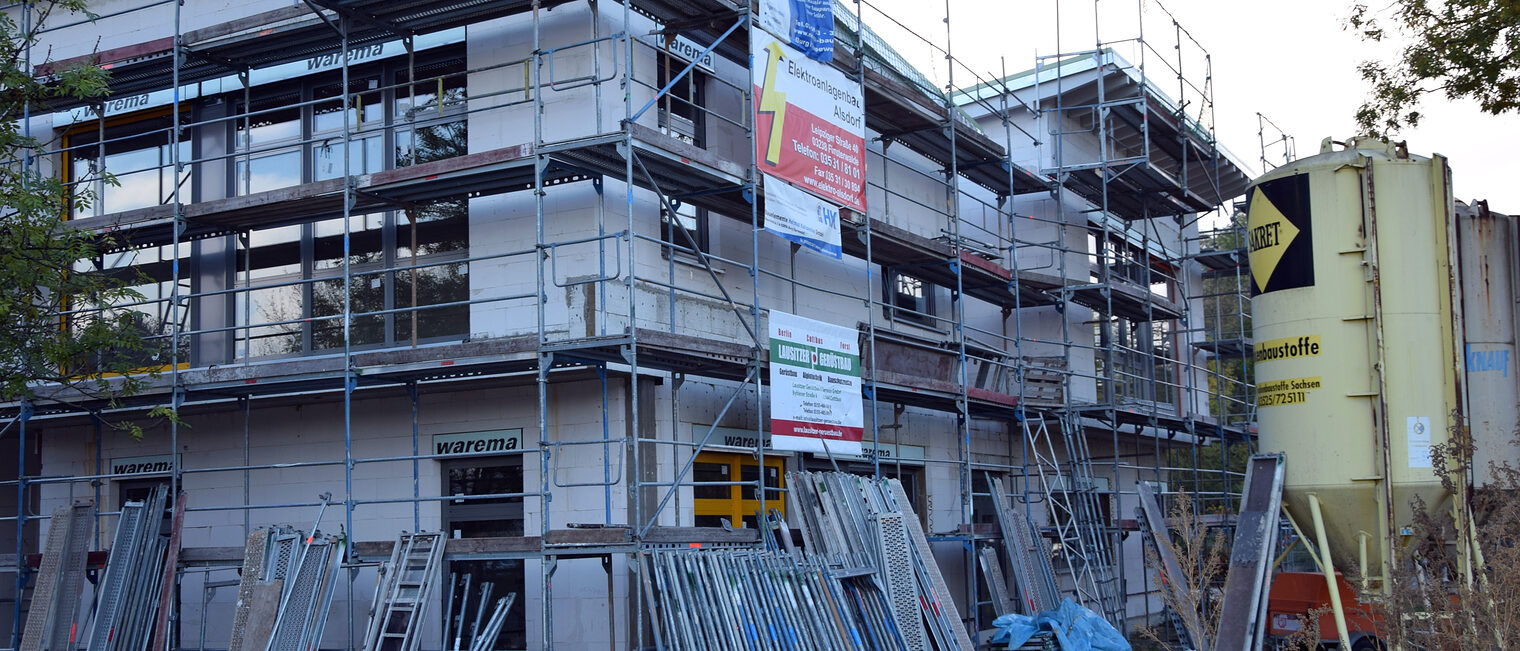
(1225, 348)
(1124, 299)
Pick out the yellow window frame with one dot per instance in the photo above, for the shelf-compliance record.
(740, 502)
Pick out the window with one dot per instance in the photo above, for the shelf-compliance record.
(686, 233)
(126, 163)
(909, 298)
(1145, 368)
(429, 115)
(396, 259)
(493, 517)
(1130, 263)
(736, 504)
(683, 110)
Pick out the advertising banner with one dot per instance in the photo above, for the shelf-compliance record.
(815, 386)
(801, 217)
(809, 123)
(807, 24)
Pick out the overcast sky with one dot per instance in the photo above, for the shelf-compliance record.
(1290, 60)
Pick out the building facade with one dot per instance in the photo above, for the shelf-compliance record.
(504, 272)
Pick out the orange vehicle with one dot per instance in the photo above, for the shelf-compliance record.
(1295, 595)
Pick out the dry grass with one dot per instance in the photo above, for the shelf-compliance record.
(1434, 604)
(1203, 559)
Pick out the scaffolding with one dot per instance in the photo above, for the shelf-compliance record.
(1034, 318)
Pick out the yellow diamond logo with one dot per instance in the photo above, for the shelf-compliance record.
(1270, 234)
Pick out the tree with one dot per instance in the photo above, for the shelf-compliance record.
(51, 335)
(1460, 49)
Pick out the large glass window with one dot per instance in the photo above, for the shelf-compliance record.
(429, 116)
(395, 259)
(1144, 361)
(126, 164)
(269, 136)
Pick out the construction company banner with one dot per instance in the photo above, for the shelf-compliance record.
(801, 217)
(807, 25)
(809, 123)
(815, 386)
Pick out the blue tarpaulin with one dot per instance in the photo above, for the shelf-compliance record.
(1076, 629)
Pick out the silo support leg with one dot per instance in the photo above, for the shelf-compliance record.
(1329, 570)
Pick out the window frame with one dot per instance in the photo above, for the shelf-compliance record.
(390, 79)
(921, 312)
(737, 506)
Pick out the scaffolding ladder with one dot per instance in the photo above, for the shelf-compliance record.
(1075, 515)
(403, 593)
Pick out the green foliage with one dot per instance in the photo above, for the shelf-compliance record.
(49, 339)
(1460, 49)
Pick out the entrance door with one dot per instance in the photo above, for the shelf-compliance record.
(486, 518)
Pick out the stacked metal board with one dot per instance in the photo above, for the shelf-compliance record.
(724, 599)
(127, 597)
(1028, 554)
(289, 579)
(482, 631)
(55, 596)
(866, 525)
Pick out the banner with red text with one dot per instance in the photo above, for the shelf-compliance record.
(809, 123)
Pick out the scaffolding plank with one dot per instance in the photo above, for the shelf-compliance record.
(997, 584)
(941, 593)
(55, 592)
(900, 579)
(1242, 618)
(254, 554)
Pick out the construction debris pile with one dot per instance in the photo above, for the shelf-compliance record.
(864, 579)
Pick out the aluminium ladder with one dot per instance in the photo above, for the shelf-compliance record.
(403, 593)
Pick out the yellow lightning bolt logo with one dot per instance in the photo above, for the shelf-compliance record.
(773, 101)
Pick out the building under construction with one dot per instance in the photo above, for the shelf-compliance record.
(508, 271)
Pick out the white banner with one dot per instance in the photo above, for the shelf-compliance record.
(801, 217)
(815, 386)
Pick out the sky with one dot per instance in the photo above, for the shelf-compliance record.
(1291, 61)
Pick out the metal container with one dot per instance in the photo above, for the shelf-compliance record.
(1486, 244)
(1358, 352)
